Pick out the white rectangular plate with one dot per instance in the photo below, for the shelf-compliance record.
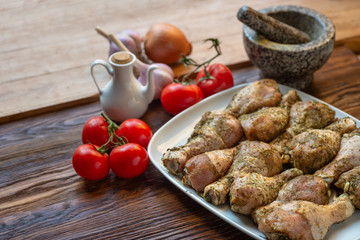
(176, 131)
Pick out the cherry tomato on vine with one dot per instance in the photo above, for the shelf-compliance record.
(95, 131)
(135, 131)
(176, 97)
(89, 163)
(128, 160)
(223, 79)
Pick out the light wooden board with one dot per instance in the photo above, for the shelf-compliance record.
(46, 47)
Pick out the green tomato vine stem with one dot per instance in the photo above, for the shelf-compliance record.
(191, 62)
(112, 128)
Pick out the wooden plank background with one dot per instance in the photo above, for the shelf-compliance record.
(46, 47)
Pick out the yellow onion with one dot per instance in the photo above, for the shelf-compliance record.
(165, 43)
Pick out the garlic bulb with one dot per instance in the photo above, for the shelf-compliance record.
(163, 76)
(129, 41)
(165, 43)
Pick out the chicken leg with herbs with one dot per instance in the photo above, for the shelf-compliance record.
(350, 183)
(264, 124)
(203, 169)
(347, 158)
(289, 98)
(310, 114)
(305, 187)
(302, 116)
(301, 220)
(215, 130)
(314, 148)
(250, 156)
(267, 123)
(252, 190)
(262, 93)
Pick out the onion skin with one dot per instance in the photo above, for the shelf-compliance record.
(165, 43)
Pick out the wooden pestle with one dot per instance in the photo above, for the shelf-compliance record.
(113, 38)
(271, 28)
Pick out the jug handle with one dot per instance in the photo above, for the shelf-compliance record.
(102, 63)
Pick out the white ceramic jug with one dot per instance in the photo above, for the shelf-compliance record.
(124, 96)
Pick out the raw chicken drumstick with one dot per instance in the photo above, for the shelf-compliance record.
(250, 156)
(350, 183)
(310, 114)
(305, 187)
(203, 169)
(303, 116)
(347, 158)
(314, 148)
(342, 126)
(216, 130)
(301, 219)
(264, 124)
(252, 190)
(289, 99)
(258, 94)
(267, 123)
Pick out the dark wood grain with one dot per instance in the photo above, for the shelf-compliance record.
(41, 197)
(338, 82)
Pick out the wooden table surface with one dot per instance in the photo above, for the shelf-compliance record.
(46, 95)
(46, 47)
(41, 197)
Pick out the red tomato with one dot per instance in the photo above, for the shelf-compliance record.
(128, 160)
(89, 163)
(223, 79)
(95, 131)
(135, 131)
(176, 97)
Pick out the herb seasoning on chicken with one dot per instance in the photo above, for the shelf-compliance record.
(262, 93)
(215, 130)
(350, 183)
(264, 124)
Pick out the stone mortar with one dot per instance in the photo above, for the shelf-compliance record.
(292, 64)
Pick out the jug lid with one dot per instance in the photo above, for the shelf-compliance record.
(121, 58)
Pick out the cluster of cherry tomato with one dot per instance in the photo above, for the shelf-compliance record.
(126, 143)
(176, 97)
